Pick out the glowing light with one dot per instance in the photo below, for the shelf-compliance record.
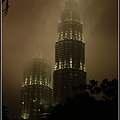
(64, 63)
(60, 64)
(35, 81)
(70, 62)
(80, 66)
(30, 77)
(45, 81)
(61, 35)
(70, 34)
(30, 82)
(76, 35)
(25, 116)
(66, 34)
(84, 68)
(26, 81)
(55, 66)
(40, 82)
(34, 100)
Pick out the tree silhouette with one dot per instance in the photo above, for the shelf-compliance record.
(4, 113)
(84, 105)
(5, 11)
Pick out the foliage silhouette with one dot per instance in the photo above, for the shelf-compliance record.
(84, 106)
(4, 113)
(5, 11)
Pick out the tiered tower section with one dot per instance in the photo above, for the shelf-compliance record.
(69, 54)
(36, 91)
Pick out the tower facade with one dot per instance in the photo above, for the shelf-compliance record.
(36, 91)
(69, 54)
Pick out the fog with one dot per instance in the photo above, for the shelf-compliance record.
(30, 28)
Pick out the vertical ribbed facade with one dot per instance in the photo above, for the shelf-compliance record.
(69, 54)
(36, 90)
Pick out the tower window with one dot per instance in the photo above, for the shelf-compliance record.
(70, 62)
(55, 66)
(64, 63)
(30, 82)
(61, 36)
(66, 34)
(79, 36)
(70, 34)
(60, 65)
(22, 103)
(80, 66)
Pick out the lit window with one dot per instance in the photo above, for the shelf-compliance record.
(79, 36)
(55, 66)
(75, 34)
(66, 34)
(58, 35)
(34, 100)
(80, 66)
(40, 102)
(26, 81)
(30, 77)
(84, 68)
(64, 63)
(48, 85)
(25, 116)
(30, 82)
(35, 81)
(60, 65)
(40, 82)
(22, 103)
(61, 35)
(70, 62)
(45, 81)
(70, 34)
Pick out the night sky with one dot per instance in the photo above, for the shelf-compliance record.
(30, 28)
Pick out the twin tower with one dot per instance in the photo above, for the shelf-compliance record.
(39, 92)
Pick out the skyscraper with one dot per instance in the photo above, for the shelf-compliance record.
(69, 54)
(36, 91)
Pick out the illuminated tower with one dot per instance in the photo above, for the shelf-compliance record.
(36, 91)
(69, 54)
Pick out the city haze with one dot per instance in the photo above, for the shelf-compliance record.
(30, 28)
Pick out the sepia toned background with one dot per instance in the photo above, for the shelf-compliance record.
(30, 28)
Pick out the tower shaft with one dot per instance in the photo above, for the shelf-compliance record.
(69, 54)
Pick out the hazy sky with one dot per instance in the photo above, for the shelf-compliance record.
(30, 28)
